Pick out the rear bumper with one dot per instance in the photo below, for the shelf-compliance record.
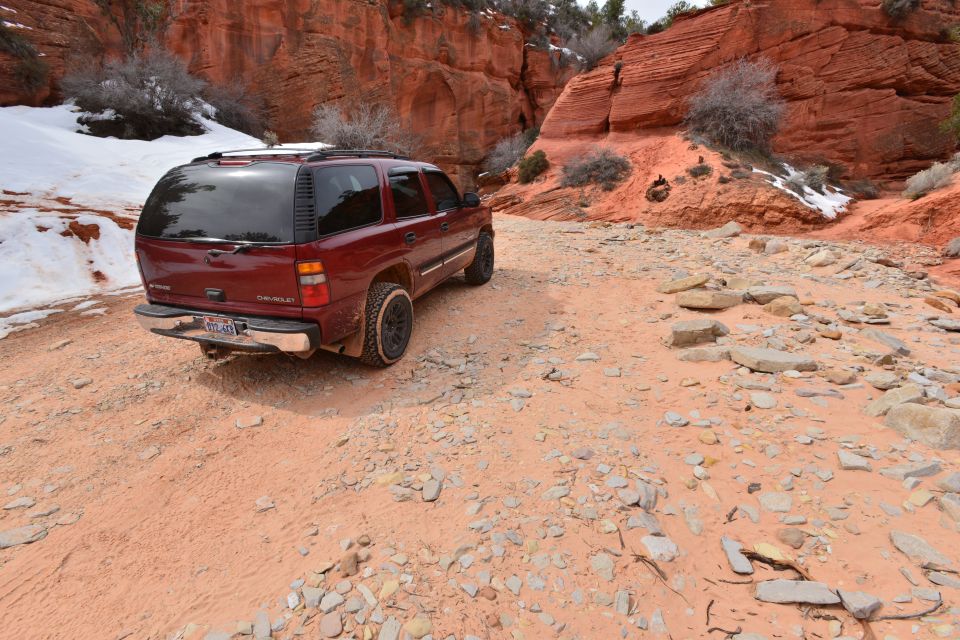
(254, 333)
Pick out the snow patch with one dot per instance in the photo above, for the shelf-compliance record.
(830, 203)
(45, 157)
(22, 321)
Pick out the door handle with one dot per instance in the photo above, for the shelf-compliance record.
(444, 226)
(410, 237)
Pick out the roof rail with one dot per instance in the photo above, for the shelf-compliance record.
(263, 151)
(358, 153)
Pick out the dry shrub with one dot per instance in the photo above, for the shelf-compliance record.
(364, 126)
(939, 175)
(593, 46)
(237, 108)
(738, 107)
(508, 151)
(599, 166)
(143, 97)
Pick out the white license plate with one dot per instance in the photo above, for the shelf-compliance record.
(216, 324)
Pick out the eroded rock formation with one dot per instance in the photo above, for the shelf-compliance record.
(460, 82)
(864, 91)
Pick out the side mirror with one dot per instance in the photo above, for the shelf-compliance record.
(471, 199)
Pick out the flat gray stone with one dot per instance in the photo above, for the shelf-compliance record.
(860, 604)
(739, 563)
(660, 548)
(895, 344)
(776, 501)
(689, 332)
(766, 294)
(950, 483)
(883, 380)
(934, 427)
(911, 470)
(704, 354)
(431, 490)
(850, 461)
(771, 360)
(555, 493)
(708, 299)
(602, 565)
(795, 591)
(730, 230)
(947, 324)
(390, 630)
(918, 550)
(22, 535)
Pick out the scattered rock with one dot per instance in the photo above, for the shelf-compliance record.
(861, 605)
(691, 332)
(918, 549)
(795, 591)
(730, 230)
(739, 563)
(852, 462)
(708, 299)
(770, 360)
(682, 284)
(22, 535)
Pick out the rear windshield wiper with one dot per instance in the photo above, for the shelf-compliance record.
(241, 245)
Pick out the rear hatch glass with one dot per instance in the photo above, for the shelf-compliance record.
(252, 203)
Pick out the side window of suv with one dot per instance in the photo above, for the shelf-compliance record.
(347, 197)
(443, 191)
(409, 200)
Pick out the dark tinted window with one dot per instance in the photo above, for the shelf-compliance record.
(347, 197)
(444, 193)
(408, 197)
(251, 204)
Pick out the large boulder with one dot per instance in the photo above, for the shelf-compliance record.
(689, 332)
(708, 299)
(933, 426)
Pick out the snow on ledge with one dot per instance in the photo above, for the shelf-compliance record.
(830, 203)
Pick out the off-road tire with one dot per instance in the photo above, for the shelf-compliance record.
(481, 269)
(384, 339)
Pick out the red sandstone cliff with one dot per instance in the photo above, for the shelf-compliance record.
(462, 89)
(863, 90)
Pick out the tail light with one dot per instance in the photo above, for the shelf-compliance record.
(314, 288)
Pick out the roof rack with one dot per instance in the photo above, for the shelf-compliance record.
(263, 151)
(358, 153)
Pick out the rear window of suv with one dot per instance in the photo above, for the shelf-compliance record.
(348, 197)
(252, 203)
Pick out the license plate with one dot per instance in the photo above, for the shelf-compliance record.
(216, 324)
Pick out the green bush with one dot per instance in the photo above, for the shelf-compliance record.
(532, 166)
(600, 166)
(700, 170)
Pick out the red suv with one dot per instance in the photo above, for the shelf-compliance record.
(299, 250)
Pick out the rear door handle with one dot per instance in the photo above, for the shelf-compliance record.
(444, 227)
(410, 237)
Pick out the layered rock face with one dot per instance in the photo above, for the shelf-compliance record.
(863, 90)
(462, 83)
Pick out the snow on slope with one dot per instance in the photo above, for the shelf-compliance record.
(830, 203)
(53, 177)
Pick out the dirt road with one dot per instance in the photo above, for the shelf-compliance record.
(476, 489)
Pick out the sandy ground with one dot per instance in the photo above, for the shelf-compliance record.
(174, 522)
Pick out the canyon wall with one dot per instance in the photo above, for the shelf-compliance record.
(460, 82)
(863, 90)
